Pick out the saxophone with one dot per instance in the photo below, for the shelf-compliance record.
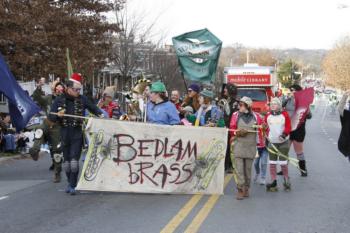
(98, 154)
(207, 163)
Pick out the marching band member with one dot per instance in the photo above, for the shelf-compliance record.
(159, 109)
(109, 105)
(210, 114)
(72, 103)
(229, 105)
(245, 139)
(49, 132)
(278, 130)
(192, 99)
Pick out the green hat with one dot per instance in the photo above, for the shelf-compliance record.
(207, 93)
(158, 87)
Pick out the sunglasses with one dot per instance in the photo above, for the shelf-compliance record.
(241, 104)
(189, 90)
(76, 89)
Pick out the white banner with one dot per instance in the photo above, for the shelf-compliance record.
(147, 158)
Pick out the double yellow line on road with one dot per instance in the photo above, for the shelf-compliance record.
(187, 208)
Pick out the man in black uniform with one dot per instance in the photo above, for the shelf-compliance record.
(72, 103)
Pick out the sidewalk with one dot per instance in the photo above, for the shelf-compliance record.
(6, 157)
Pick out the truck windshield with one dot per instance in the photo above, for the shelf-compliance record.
(254, 94)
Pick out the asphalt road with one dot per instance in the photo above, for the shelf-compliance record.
(31, 203)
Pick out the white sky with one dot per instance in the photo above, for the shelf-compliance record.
(306, 24)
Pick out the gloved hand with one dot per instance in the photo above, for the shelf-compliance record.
(241, 133)
(61, 111)
(264, 126)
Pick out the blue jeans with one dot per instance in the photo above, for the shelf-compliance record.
(10, 142)
(263, 155)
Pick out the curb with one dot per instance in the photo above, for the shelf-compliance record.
(7, 158)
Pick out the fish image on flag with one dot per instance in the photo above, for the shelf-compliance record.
(198, 55)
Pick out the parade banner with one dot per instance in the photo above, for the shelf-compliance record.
(198, 54)
(303, 99)
(148, 158)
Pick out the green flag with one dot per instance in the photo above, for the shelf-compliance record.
(69, 65)
(198, 54)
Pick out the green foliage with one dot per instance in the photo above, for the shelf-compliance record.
(287, 73)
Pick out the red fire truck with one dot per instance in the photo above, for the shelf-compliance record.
(254, 81)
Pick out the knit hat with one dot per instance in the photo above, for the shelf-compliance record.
(207, 93)
(276, 101)
(248, 101)
(77, 79)
(188, 109)
(109, 92)
(158, 87)
(194, 87)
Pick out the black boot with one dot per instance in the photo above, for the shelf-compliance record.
(34, 153)
(272, 187)
(302, 166)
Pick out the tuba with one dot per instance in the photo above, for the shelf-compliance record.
(132, 110)
(136, 108)
(141, 85)
(139, 91)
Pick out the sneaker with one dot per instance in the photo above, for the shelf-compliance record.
(72, 191)
(256, 178)
(262, 181)
(67, 190)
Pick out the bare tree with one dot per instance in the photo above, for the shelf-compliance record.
(133, 43)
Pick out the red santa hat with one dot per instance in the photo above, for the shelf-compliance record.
(77, 79)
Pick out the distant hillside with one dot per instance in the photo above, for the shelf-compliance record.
(310, 60)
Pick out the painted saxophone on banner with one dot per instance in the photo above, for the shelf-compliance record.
(99, 153)
(207, 163)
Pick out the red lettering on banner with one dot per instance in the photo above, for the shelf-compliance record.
(128, 150)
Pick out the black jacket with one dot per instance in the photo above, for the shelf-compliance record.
(344, 138)
(70, 105)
